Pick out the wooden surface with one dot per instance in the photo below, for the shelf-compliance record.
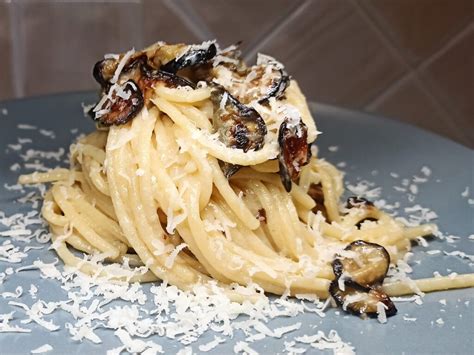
(411, 60)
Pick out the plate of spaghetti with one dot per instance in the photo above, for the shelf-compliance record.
(204, 206)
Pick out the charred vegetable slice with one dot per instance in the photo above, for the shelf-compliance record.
(150, 78)
(360, 271)
(279, 83)
(137, 66)
(103, 71)
(121, 104)
(139, 70)
(362, 302)
(363, 264)
(191, 58)
(238, 126)
(123, 100)
(294, 150)
(259, 83)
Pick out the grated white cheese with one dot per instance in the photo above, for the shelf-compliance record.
(365, 189)
(422, 241)
(223, 102)
(426, 171)
(413, 189)
(10, 253)
(85, 110)
(121, 65)
(243, 347)
(173, 221)
(279, 332)
(185, 351)
(381, 315)
(290, 348)
(332, 341)
(36, 312)
(451, 238)
(419, 180)
(5, 327)
(341, 282)
(171, 258)
(137, 345)
(47, 133)
(26, 126)
(33, 291)
(14, 146)
(212, 344)
(83, 332)
(17, 294)
(15, 167)
(24, 140)
(161, 247)
(42, 349)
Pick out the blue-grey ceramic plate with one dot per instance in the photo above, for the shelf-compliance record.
(372, 147)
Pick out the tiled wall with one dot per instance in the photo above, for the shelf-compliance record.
(412, 60)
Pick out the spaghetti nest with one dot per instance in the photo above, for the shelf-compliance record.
(168, 194)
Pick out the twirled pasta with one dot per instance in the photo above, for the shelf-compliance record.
(152, 192)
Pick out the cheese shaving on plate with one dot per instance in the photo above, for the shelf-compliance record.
(42, 349)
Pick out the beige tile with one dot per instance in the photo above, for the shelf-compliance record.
(420, 27)
(6, 76)
(62, 41)
(408, 103)
(241, 20)
(162, 24)
(334, 55)
(451, 78)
